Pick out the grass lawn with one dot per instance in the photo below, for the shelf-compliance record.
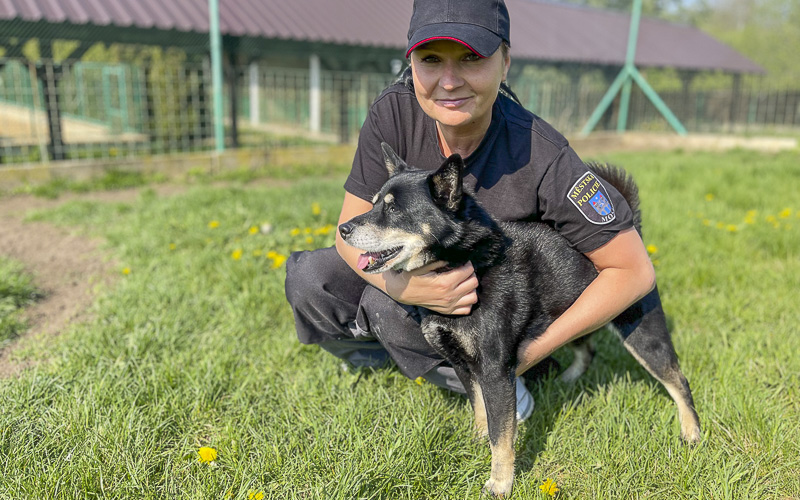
(16, 292)
(195, 347)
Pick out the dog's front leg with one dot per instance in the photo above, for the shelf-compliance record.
(475, 398)
(500, 404)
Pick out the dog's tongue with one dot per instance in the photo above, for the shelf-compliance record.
(363, 260)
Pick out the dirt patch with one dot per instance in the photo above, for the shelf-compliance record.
(69, 268)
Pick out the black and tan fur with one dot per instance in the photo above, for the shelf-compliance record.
(528, 275)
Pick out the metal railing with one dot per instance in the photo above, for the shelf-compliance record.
(74, 110)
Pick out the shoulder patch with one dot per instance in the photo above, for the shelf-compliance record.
(590, 197)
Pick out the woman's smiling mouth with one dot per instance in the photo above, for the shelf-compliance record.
(452, 103)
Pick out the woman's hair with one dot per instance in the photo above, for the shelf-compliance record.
(407, 80)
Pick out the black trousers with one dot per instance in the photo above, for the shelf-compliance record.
(335, 308)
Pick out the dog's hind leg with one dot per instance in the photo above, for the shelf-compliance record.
(500, 401)
(643, 329)
(583, 352)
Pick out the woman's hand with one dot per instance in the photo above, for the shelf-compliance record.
(450, 291)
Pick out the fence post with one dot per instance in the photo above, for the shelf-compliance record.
(216, 73)
(233, 90)
(315, 94)
(735, 97)
(254, 104)
(49, 75)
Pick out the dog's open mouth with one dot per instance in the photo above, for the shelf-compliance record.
(371, 261)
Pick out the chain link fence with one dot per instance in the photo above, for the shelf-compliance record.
(77, 110)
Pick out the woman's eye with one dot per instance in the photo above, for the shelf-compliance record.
(472, 57)
(430, 59)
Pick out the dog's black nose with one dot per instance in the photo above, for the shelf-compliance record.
(345, 229)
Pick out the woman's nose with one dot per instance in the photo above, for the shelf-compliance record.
(451, 77)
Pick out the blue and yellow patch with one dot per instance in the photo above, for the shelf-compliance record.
(590, 197)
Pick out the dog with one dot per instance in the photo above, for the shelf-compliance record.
(419, 217)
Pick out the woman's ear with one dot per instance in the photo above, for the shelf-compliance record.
(506, 66)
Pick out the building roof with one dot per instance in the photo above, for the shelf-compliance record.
(540, 30)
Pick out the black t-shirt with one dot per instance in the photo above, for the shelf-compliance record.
(523, 170)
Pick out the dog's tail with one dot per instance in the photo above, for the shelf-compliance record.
(624, 183)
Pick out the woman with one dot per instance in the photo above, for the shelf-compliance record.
(452, 99)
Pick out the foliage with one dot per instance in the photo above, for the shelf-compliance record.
(766, 31)
(189, 382)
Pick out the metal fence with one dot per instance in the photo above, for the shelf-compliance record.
(78, 110)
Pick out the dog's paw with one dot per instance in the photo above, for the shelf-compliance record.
(692, 435)
(498, 489)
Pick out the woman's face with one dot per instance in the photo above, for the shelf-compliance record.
(454, 86)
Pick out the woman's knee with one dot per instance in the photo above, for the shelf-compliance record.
(317, 275)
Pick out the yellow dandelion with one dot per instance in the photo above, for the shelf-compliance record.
(731, 228)
(272, 254)
(785, 213)
(706, 222)
(278, 261)
(549, 487)
(419, 380)
(315, 209)
(295, 231)
(255, 495)
(253, 230)
(651, 249)
(213, 224)
(236, 254)
(309, 240)
(720, 225)
(126, 270)
(771, 218)
(307, 230)
(207, 455)
(326, 229)
(173, 246)
(709, 196)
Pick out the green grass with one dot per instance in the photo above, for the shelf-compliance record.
(16, 292)
(196, 347)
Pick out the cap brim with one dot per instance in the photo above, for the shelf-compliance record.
(476, 38)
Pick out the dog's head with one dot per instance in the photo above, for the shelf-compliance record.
(411, 215)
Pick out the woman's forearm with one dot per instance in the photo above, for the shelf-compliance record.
(613, 291)
(603, 300)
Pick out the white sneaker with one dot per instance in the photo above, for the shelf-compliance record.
(524, 401)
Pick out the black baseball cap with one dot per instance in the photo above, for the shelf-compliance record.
(480, 25)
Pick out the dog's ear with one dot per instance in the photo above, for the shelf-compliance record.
(445, 183)
(394, 164)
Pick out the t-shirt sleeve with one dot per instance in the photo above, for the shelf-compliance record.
(369, 171)
(584, 208)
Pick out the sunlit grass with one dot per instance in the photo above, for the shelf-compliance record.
(16, 292)
(195, 350)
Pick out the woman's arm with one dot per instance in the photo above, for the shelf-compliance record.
(448, 292)
(625, 276)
